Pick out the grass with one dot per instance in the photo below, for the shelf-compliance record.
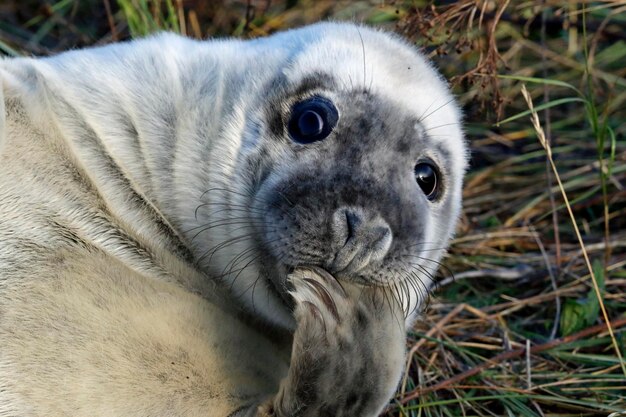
(540, 254)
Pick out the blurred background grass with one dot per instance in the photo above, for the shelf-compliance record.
(521, 329)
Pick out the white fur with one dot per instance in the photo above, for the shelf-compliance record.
(90, 317)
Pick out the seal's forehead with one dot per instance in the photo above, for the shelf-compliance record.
(360, 58)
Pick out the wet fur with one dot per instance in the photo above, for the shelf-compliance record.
(140, 229)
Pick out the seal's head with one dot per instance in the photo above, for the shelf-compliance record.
(352, 160)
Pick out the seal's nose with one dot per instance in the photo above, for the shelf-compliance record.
(360, 239)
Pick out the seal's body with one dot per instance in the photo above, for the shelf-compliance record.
(170, 211)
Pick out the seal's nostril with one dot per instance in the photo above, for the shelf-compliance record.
(353, 221)
(360, 238)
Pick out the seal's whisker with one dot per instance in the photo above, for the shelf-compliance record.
(223, 245)
(225, 189)
(363, 52)
(398, 294)
(251, 197)
(210, 252)
(225, 221)
(233, 270)
(245, 255)
(233, 222)
(240, 208)
(241, 257)
(255, 282)
(440, 126)
(234, 280)
(440, 136)
(421, 116)
(438, 263)
(391, 299)
(227, 207)
(426, 243)
(414, 280)
(421, 119)
(235, 192)
(405, 285)
(244, 224)
(424, 270)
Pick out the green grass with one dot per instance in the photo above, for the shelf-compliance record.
(145, 17)
(520, 273)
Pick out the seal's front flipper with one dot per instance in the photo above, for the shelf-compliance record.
(348, 350)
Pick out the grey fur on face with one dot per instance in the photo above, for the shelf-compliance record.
(349, 203)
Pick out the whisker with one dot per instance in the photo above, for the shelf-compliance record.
(436, 110)
(228, 207)
(416, 283)
(241, 271)
(438, 263)
(426, 243)
(223, 245)
(238, 193)
(440, 126)
(363, 51)
(243, 256)
(421, 117)
(245, 224)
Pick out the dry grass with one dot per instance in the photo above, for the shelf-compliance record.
(521, 330)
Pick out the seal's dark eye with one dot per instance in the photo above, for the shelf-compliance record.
(312, 120)
(426, 177)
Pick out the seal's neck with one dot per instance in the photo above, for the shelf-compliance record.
(151, 111)
(155, 129)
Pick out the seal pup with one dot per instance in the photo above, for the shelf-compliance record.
(220, 228)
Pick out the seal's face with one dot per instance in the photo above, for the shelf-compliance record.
(367, 200)
(355, 160)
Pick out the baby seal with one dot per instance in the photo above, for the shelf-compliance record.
(220, 228)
